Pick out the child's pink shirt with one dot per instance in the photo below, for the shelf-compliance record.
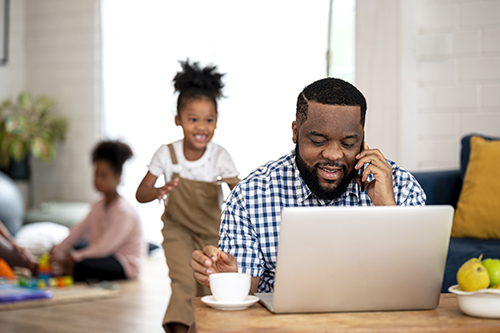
(114, 230)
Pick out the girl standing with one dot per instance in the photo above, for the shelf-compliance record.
(112, 228)
(194, 168)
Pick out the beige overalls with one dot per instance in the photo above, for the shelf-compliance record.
(191, 221)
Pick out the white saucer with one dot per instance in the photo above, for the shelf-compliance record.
(210, 300)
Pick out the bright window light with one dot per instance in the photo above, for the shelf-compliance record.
(270, 51)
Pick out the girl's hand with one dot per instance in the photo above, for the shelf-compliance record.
(147, 192)
(62, 264)
(167, 188)
(68, 264)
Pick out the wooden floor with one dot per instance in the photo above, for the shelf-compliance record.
(140, 308)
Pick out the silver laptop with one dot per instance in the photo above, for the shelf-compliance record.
(342, 259)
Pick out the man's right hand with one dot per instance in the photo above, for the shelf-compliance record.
(210, 261)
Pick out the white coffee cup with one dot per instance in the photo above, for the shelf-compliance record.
(230, 287)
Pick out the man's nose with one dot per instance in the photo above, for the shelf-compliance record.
(333, 151)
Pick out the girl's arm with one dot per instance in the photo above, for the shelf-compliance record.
(147, 191)
(77, 233)
(116, 232)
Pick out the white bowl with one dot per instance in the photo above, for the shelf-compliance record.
(483, 303)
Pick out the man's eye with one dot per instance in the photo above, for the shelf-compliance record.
(317, 143)
(348, 145)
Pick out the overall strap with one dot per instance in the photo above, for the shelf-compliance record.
(172, 153)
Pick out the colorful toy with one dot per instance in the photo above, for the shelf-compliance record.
(5, 270)
(45, 278)
(44, 270)
(52, 282)
(12, 293)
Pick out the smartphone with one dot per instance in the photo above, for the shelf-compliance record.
(363, 168)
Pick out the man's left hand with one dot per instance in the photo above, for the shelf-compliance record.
(380, 189)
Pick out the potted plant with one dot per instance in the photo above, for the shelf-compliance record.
(29, 127)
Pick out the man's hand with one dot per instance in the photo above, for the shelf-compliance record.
(380, 190)
(210, 261)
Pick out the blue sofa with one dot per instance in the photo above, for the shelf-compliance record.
(443, 187)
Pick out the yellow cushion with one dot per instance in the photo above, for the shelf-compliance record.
(478, 209)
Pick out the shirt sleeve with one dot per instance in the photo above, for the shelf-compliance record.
(159, 163)
(407, 190)
(238, 237)
(225, 165)
(77, 233)
(118, 229)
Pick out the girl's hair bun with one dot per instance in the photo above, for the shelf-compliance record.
(206, 79)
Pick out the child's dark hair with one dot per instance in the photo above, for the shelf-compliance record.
(113, 152)
(330, 91)
(194, 82)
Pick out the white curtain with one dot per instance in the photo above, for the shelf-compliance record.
(270, 50)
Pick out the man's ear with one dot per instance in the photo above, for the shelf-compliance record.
(177, 121)
(295, 131)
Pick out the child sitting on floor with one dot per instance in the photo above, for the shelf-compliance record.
(112, 228)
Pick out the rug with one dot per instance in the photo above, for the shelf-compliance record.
(72, 294)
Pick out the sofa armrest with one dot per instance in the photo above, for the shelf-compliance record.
(441, 187)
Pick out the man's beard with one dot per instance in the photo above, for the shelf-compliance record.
(310, 177)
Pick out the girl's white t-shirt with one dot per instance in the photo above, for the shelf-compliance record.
(214, 162)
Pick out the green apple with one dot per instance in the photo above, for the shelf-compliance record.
(493, 268)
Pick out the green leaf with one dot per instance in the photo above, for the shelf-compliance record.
(58, 127)
(4, 158)
(6, 104)
(5, 139)
(43, 104)
(13, 124)
(17, 149)
(25, 100)
(27, 126)
(42, 149)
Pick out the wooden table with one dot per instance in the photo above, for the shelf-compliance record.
(447, 317)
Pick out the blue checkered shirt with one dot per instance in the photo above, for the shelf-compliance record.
(252, 214)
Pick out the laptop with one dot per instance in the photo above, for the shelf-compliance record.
(347, 259)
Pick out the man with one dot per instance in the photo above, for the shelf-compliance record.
(330, 166)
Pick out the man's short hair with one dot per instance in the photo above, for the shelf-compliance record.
(330, 91)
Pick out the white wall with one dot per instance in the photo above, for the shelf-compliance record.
(54, 48)
(431, 73)
(377, 72)
(458, 83)
(12, 75)
(430, 70)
